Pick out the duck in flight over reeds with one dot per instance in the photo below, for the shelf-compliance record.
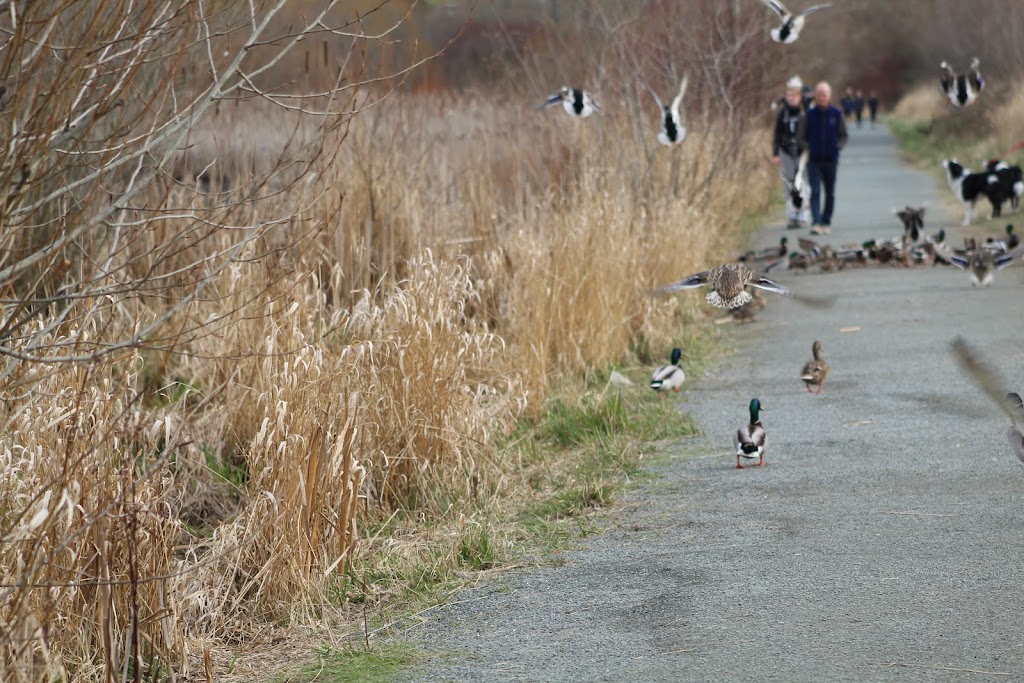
(729, 284)
(792, 24)
(672, 129)
(576, 102)
(962, 90)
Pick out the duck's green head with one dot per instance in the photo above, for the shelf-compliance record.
(676, 355)
(755, 408)
(1009, 229)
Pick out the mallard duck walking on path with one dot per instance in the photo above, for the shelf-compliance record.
(815, 370)
(669, 377)
(751, 441)
(988, 382)
(729, 284)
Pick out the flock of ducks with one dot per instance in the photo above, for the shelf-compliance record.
(738, 287)
(981, 260)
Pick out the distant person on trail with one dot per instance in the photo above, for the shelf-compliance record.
(858, 107)
(873, 107)
(823, 135)
(786, 147)
(847, 103)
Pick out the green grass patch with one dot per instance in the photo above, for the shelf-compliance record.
(351, 665)
(965, 135)
(575, 423)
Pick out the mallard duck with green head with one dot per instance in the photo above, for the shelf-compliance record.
(751, 440)
(815, 370)
(669, 377)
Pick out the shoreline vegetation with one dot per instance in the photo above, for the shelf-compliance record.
(279, 364)
(308, 319)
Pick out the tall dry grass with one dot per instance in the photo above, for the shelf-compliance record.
(990, 128)
(334, 349)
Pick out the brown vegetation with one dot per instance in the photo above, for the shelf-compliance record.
(214, 382)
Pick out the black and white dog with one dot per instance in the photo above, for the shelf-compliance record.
(1005, 182)
(968, 187)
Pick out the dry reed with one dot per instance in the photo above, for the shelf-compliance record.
(342, 345)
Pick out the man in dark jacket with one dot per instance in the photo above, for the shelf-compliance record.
(823, 135)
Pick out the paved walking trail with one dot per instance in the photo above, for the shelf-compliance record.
(883, 541)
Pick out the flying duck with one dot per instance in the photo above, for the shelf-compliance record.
(962, 90)
(792, 24)
(729, 284)
(982, 264)
(576, 102)
(988, 382)
(672, 129)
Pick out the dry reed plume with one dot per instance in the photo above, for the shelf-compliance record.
(208, 395)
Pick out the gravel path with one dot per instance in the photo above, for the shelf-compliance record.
(881, 543)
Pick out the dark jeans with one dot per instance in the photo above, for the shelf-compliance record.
(822, 173)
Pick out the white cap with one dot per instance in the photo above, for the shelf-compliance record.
(794, 82)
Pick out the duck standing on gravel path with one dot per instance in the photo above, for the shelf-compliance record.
(815, 370)
(751, 441)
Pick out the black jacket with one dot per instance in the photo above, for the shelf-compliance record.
(787, 131)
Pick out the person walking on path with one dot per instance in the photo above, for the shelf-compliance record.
(873, 107)
(847, 103)
(823, 135)
(858, 107)
(786, 148)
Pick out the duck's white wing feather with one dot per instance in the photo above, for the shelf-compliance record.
(698, 280)
(1004, 260)
(679, 98)
(550, 101)
(815, 8)
(776, 7)
(661, 106)
(771, 286)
